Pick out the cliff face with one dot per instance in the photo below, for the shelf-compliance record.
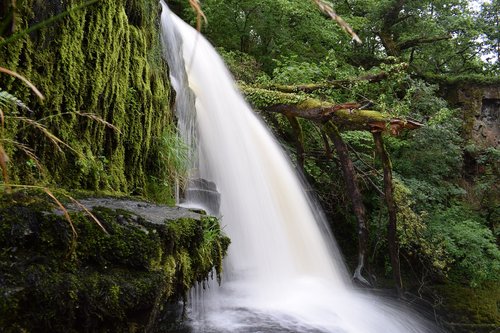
(99, 63)
(480, 105)
(487, 125)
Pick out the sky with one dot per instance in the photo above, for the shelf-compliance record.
(476, 4)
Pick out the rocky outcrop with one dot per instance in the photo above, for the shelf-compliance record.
(487, 123)
(128, 278)
(480, 105)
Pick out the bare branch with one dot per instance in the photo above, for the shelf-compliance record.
(327, 9)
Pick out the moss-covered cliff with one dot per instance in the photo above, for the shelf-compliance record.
(108, 99)
(119, 281)
(103, 60)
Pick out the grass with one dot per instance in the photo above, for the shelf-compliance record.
(9, 100)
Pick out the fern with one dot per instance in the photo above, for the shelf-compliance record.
(7, 99)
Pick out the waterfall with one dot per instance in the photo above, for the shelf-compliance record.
(283, 272)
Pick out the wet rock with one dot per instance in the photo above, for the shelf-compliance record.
(123, 280)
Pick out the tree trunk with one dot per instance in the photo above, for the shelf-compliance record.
(392, 239)
(298, 137)
(358, 207)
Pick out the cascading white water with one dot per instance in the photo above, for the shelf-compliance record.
(283, 272)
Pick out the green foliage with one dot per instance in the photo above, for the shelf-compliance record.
(243, 66)
(291, 71)
(489, 20)
(468, 242)
(7, 99)
(211, 245)
(441, 36)
(172, 162)
(413, 233)
(462, 304)
(431, 159)
(268, 28)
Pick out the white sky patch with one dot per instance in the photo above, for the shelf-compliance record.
(475, 5)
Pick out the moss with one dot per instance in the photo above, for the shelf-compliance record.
(361, 116)
(470, 99)
(103, 282)
(103, 60)
(470, 306)
(262, 98)
(312, 103)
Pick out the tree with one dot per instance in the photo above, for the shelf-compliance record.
(431, 35)
(268, 29)
(490, 28)
(406, 43)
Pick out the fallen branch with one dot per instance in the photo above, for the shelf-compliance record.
(346, 116)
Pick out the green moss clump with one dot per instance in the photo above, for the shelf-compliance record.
(51, 281)
(362, 117)
(311, 103)
(470, 306)
(263, 98)
(103, 60)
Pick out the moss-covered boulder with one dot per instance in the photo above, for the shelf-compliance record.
(122, 280)
(463, 309)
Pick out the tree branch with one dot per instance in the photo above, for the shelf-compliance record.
(421, 40)
(309, 88)
(346, 116)
(358, 206)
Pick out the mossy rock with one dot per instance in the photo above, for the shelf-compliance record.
(121, 280)
(469, 310)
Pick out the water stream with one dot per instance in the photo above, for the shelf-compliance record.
(283, 272)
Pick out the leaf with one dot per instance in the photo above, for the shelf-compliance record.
(99, 120)
(55, 140)
(27, 150)
(64, 210)
(7, 98)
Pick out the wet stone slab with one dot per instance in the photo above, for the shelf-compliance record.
(150, 212)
